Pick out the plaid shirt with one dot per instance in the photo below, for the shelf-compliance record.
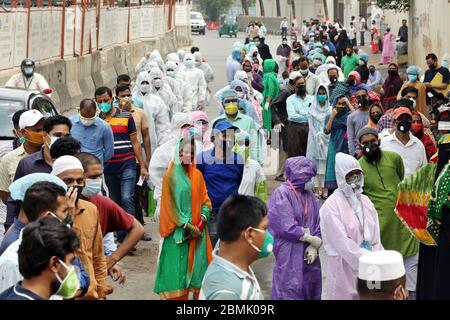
(386, 122)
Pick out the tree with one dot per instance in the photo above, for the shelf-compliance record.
(263, 11)
(397, 5)
(214, 8)
(293, 7)
(244, 4)
(325, 8)
(278, 8)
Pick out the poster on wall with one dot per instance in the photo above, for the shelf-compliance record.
(122, 25)
(135, 23)
(46, 22)
(35, 34)
(148, 20)
(55, 27)
(20, 37)
(78, 29)
(69, 32)
(7, 21)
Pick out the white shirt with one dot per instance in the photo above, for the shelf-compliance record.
(253, 175)
(284, 24)
(9, 266)
(352, 33)
(312, 84)
(413, 153)
(37, 82)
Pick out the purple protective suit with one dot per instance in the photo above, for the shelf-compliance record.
(293, 278)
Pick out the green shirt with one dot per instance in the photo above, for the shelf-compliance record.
(381, 186)
(349, 63)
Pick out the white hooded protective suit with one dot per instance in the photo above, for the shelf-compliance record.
(164, 92)
(197, 81)
(155, 109)
(179, 87)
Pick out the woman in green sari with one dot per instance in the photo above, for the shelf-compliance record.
(185, 208)
(271, 90)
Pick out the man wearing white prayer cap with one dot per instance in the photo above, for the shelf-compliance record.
(87, 227)
(382, 276)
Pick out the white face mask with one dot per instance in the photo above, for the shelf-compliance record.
(145, 88)
(157, 83)
(28, 71)
(92, 187)
(240, 95)
(87, 123)
(304, 72)
(52, 141)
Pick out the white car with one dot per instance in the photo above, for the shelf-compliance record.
(198, 24)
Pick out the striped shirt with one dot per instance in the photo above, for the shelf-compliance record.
(123, 126)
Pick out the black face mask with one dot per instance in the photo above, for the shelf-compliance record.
(392, 73)
(376, 118)
(351, 82)
(372, 152)
(404, 126)
(301, 91)
(334, 80)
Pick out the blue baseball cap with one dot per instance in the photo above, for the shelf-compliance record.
(222, 126)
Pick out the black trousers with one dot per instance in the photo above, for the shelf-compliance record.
(297, 139)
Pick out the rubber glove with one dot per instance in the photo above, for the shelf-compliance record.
(316, 242)
(278, 127)
(311, 254)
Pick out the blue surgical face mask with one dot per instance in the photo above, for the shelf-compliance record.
(412, 77)
(105, 107)
(171, 74)
(189, 64)
(92, 187)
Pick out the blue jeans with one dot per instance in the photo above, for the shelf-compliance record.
(121, 188)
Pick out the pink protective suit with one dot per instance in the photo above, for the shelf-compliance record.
(290, 212)
(342, 234)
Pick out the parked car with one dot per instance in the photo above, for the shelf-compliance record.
(15, 99)
(198, 24)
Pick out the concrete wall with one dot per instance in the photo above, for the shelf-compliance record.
(74, 79)
(428, 31)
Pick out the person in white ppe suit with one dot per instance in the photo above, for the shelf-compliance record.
(27, 78)
(162, 90)
(207, 72)
(196, 79)
(163, 155)
(181, 73)
(242, 76)
(155, 55)
(179, 87)
(181, 54)
(140, 67)
(155, 109)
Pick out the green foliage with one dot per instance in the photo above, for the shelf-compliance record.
(397, 5)
(214, 8)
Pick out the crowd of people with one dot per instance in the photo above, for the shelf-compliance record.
(347, 138)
